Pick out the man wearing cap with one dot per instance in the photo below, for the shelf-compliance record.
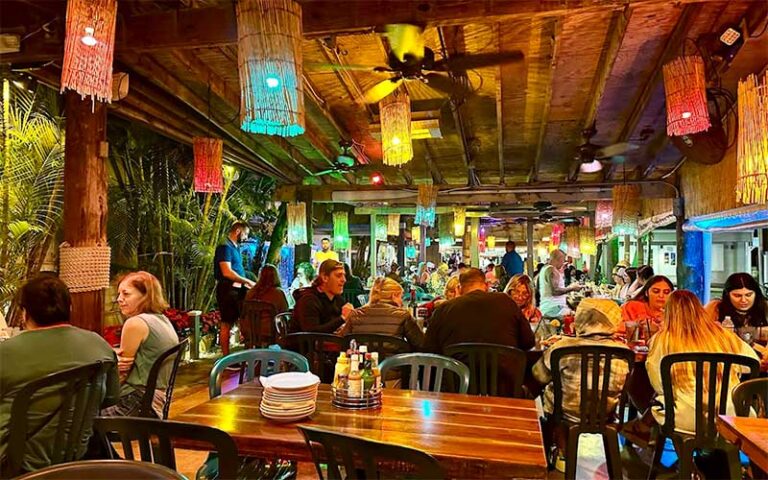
(321, 308)
(231, 283)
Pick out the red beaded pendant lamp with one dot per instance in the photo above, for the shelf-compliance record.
(208, 164)
(686, 93)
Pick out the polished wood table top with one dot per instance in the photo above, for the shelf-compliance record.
(749, 434)
(472, 437)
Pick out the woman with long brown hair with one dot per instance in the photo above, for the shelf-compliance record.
(520, 288)
(688, 328)
(268, 289)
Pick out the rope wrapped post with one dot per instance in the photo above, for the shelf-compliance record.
(84, 269)
(752, 149)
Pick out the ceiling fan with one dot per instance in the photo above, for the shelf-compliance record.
(592, 156)
(345, 162)
(546, 213)
(409, 59)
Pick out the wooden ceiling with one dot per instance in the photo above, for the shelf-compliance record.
(585, 61)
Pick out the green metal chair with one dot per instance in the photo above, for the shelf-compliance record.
(751, 394)
(386, 345)
(320, 349)
(706, 436)
(483, 362)
(366, 459)
(169, 360)
(98, 469)
(426, 371)
(79, 391)
(270, 362)
(155, 440)
(257, 323)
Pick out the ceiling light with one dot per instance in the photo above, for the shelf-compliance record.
(88, 38)
(591, 167)
(272, 81)
(730, 36)
(686, 114)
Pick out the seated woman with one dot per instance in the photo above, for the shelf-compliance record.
(688, 328)
(268, 289)
(743, 301)
(648, 305)
(520, 288)
(385, 314)
(147, 333)
(644, 274)
(595, 324)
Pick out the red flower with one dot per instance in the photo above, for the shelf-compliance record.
(112, 334)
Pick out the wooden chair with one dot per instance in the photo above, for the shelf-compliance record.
(101, 469)
(321, 349)
(596, 363)
(269, 361)
(169, 359)
(366, 459)
(706, 436)
(386, 345)
(81, 392)
(483, 362)
(426, 371)
(257, 322)
(155, 440)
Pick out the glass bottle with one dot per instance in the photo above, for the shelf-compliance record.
(355, 378)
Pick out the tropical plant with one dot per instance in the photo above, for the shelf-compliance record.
(31, 185)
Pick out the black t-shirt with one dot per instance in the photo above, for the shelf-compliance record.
(315, 312)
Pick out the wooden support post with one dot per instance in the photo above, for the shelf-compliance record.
(678, 208)
(650, 248)
(529, 243)
(401, 248)
(423, 243)
(474, 250)
(611, 257)
(627, 245)
(373, 250)
(85, 194)
(303, 252)
(640, 252)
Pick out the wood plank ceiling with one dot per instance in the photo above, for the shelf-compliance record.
(585, 62)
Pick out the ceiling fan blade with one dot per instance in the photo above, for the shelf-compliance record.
(332, 67)
(480, 60)
(324, 172)
(382, 89)
(443, 83)
(616, 149)
(406, 41)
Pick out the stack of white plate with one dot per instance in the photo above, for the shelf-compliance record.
(289, 396)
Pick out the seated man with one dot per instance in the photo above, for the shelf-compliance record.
(49, 344)
(320, 308)
(595, 324)
(479, 316)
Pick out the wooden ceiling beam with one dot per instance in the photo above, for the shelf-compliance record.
(641, 99)
(615, 37)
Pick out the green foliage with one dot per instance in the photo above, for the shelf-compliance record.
(31, 186)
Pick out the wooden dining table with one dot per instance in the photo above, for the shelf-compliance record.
(471, 436)
(749, 434)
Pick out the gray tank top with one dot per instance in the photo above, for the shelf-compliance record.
(162, 336)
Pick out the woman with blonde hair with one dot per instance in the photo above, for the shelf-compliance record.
(520, 288)
(688, 328)
(385, 314)
(146, 334)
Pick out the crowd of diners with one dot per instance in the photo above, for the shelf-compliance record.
(466, 312)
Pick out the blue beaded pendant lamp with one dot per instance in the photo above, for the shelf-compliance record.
(426, 204)
(297, 223)
(269, 64)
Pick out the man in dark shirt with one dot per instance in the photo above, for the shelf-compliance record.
(479, 316)
(231, 283)
(321, 308)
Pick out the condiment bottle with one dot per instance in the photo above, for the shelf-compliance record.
(342, 367)
(355, 378)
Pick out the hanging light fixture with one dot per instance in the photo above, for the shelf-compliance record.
(445, 227)
(752, 150)
(393, 224)
(89, 48)
(416, 234)
(572, 236)
(556, 237)
(686, 92)
(490, 241)
(459, 221)
(381, 228)
(340, 230)
(297, 223)
(208, 164)
(604, 214)
(426, 204)
(395, 113)
(587, 242)
(269, 61)
(626, 209)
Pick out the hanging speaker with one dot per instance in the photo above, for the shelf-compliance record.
(707, 147)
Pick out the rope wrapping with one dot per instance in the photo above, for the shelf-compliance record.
(84, 269)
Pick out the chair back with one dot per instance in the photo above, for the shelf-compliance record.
(427, 369)
(386, 345)
(366, 459)
(282, 327)
(320, 349)
(596, 364)
(717, 389)
(155, 440)
(257, 322)
(101, 469)
(168, 361)
(751, 394)
(81, 391)
(270, 362)
(483, 361)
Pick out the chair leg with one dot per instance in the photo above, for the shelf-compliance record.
(612, 454)
(684, 449)
(734, 463)
(657, 453)
(572, 453)
(546, 436)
